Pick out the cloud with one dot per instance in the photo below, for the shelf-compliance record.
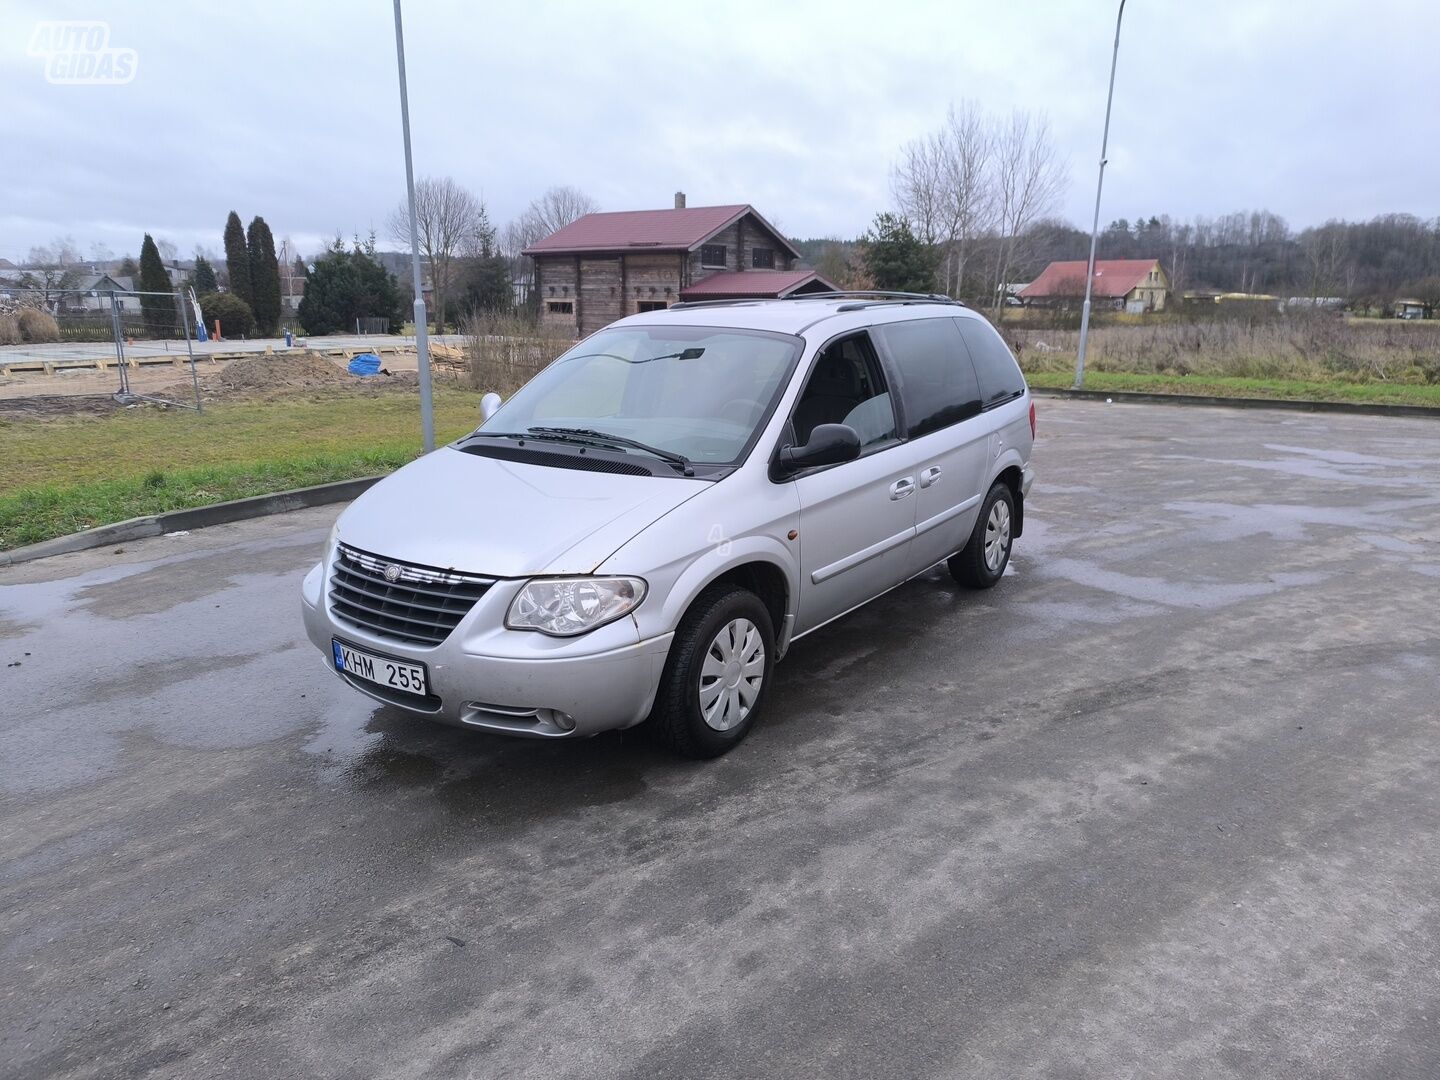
(290, 110)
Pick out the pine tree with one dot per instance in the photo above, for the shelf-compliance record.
(128, 267)
(264, 278)
(157, 311)
(202, 278)
(237, 259)
(894, 258)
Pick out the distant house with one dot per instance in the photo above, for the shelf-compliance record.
(602, 267)
(93, 292)
(1133, 285)
(1410, 309)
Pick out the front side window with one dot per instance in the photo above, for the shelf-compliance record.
(762, 259)
(712, 255)
(999, 375)
(847, 387)
(937, 381)
(560, 307)
(694, 390)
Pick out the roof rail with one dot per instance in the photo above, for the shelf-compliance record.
(719, 303)
(866, 296)
(875, 294)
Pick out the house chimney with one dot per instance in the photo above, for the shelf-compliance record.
(679, 200)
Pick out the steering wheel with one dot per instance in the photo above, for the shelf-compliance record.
(739, 411)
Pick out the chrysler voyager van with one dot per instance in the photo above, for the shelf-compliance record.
(642, 530)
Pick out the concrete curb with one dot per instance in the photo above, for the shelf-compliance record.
(1132, 397)
(198, 517)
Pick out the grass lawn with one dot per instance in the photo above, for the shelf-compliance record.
(1370, 393)
(59, 476)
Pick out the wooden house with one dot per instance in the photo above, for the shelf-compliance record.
(602, 267)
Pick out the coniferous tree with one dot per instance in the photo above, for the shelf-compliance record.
(202, 278)
(895, 259)
(158, 311)
(264, 278)
(128, 267)
(237, 258)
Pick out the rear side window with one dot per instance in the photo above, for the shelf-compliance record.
(1000, 378)
(937, 381)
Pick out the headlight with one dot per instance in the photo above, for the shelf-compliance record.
(568, 606)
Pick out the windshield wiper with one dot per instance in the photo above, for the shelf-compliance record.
(593, 437)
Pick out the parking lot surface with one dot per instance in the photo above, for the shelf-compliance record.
(1162, 804)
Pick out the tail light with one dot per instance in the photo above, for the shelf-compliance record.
(1032, 418)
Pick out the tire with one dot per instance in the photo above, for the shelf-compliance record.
(707, 703)
(981, 563)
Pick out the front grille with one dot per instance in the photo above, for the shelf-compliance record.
(419, 607)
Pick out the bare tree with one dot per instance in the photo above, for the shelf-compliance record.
(449, 219)
(555, 209)
(969, 196)
(917, 181)
(1029, 176)
(546, 214)
(52, 268)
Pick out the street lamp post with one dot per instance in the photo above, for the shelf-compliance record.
(1095, 225)
(422, 335)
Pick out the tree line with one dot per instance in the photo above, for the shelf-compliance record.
(973, 211)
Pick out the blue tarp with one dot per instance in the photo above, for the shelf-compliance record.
(365, 364)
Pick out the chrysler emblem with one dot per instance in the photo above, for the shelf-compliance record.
(392, 573)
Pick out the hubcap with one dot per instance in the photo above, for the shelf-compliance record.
(997, 536)
(732, 673)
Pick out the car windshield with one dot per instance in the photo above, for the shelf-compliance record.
(697, 391)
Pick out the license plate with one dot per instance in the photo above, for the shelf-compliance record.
(386, 671)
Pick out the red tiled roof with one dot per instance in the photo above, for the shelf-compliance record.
(1113, 278)
(628, 230)
(756, 284)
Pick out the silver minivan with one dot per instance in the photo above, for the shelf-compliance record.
(640, 532)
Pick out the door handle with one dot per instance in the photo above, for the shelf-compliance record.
(929, 476)
(902, 487)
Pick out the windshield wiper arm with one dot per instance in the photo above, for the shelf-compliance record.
(590, 435)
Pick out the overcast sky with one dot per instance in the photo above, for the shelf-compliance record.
(1313, 109)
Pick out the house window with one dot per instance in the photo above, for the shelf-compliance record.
(762, 259)
(559, 307)
(712, 255)
(651, 305)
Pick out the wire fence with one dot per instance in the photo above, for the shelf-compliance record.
(49, 319)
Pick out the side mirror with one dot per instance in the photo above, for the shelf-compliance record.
(488, 404)
(829, 444)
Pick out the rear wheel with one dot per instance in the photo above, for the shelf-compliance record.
(983, 560)
(716, 675)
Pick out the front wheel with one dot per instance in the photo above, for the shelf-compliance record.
(983, 560)
(716, 675)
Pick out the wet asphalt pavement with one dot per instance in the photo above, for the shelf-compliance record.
(1163, 804)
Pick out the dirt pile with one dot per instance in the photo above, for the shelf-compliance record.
(283, 376)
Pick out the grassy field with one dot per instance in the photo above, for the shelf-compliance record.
(60, 476)
(1239, 386)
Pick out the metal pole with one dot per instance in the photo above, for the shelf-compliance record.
(117, 331)
(190, 349)
(422, 336)
(1095, 226)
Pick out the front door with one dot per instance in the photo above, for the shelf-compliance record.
(857, 518)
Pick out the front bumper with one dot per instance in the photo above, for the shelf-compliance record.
(510, 681)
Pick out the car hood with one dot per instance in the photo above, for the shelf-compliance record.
(460, 511)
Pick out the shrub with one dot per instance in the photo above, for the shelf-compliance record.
(9, 330)
(236, 318)
(37, 325)
(506, 350)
